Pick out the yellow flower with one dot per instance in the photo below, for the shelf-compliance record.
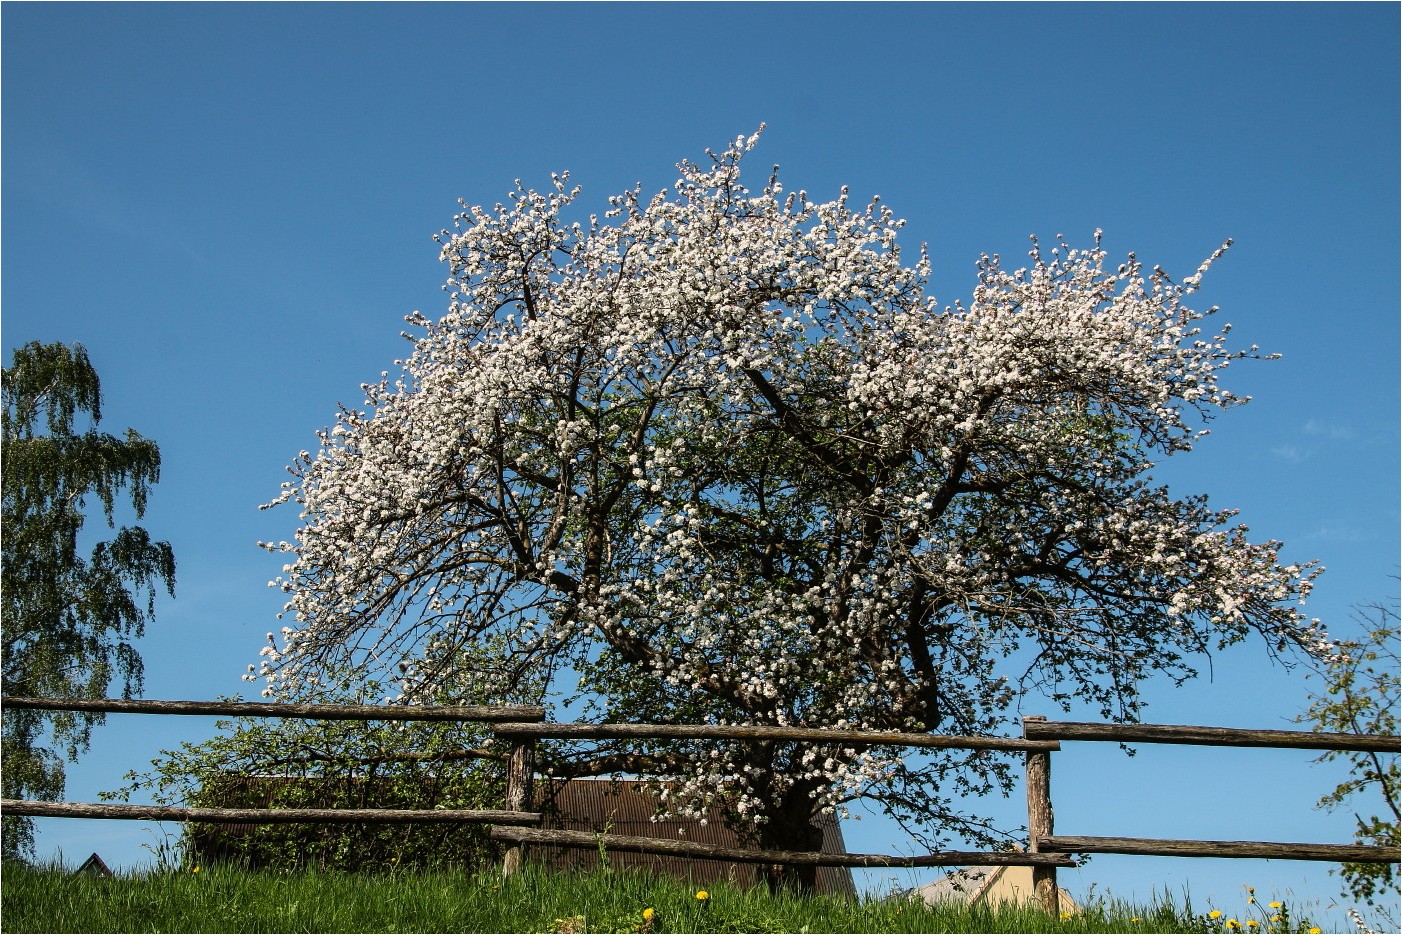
(1214, 914)
(702, 895)
(1274, 905)
(1233, 924)
(1275, 918)
(196, 870)
(1252, 922)
(1314, 930)
(1136, 919)
(1251, 899)
(648, 913)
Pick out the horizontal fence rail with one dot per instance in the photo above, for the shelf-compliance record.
(522, 726)
(744, 732)
(693, 849)
(1161, 847)
(1042, 840)
(316, 712)
(261, 816)
(1210, 736)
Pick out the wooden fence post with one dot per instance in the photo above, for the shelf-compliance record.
(1039, 821)
(520, 777)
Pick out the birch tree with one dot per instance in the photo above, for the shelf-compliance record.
(69, 621)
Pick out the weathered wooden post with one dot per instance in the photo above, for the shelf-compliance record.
(520, 779)
(1039, 821)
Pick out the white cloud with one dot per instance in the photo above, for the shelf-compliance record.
(1336, 534)
(1332, 431)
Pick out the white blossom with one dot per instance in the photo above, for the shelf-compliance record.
(722, 454)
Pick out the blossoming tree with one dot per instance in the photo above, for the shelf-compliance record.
(719, 456)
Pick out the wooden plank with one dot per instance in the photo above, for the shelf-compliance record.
(1040, 822)
(745, 732)
(1212, 736)
(1161, 847)
(319, 712)
(520, 791)
(694, 849)
(268, 816)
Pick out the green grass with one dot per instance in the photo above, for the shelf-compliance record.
(222, 899)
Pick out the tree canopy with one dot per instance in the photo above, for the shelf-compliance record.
(718, 455)
(69, 621)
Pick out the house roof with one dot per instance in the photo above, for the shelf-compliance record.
(966, 885)
(627, 807)
(988, 885)
(95, 866)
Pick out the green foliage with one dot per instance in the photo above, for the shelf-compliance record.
(262, 762)
(255, 762)
(69, 622)
(1361, 696)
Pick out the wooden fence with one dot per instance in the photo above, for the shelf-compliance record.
(522, 726)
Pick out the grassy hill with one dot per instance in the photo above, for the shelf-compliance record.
(223, 899)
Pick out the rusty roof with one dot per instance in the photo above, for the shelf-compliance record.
(627, 806)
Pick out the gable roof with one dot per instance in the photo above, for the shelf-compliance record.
(627, 806)
(94, 866)
(967, 885)
(988, 885)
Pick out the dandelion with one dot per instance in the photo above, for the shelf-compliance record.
(702, 896)
(1214, 914)
(1314, 930)
(196, 870)
(1233, 924)
(648, 913)
(1274, 905)
(1252, 923)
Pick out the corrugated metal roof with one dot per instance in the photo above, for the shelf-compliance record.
(626, 807)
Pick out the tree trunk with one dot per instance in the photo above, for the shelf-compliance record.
(792, 828)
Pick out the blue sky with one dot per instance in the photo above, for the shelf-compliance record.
(232, 207)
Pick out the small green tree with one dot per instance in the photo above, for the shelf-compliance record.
(260, 762)
(69, 622)
(1361, 696)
